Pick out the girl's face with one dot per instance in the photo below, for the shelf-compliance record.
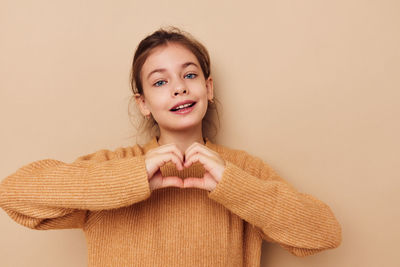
(171, 77)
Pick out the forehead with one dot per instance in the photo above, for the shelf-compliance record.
(168, 56)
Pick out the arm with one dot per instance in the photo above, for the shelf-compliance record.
(298, 222)
(49, 194)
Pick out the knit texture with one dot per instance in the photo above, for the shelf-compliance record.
(107, 195)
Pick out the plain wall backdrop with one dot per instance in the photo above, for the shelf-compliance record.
(312, 87)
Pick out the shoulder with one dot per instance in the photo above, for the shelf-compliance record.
(107, 154)
(249, 163)
(239, 157)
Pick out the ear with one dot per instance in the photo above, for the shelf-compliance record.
(210, 88)
(140, 101)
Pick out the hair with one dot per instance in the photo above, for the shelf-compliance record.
(163, 37)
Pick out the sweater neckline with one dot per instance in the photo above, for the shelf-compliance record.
(153, 143)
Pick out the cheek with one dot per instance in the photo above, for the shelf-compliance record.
(159, 100)
(199, 87)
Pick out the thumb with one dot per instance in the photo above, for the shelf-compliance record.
(158, 181)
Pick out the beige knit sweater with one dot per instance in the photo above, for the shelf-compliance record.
(107, 195)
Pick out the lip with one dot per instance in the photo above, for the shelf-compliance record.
(183, 103)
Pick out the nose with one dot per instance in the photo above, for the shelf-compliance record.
(180, 88)
(180, 91)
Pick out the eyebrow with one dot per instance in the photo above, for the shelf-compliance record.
(184, 65)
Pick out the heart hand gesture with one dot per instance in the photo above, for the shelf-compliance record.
(156, 158)
(211, 161)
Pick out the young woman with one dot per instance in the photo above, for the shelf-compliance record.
(180, 199)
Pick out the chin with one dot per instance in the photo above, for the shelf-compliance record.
(182, 126)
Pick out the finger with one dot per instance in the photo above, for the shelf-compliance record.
(160, 182)
(199, 148)
(193, 182)
(172, 181)
(213, 167)
(203, 159)
(200, 183)
(190, 150)
(207, 159)
(167, 148)
(155, 181)
(156, 161)
(167, 157)
(190, 147)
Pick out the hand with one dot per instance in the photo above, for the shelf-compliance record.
(157, 157)
(212, 163)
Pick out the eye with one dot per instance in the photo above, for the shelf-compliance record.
(159, 83)
(190, 76)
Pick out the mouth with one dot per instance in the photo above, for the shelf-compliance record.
(182, 107)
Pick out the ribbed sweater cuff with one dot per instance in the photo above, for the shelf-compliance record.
(128, 185)
(234, 182)
(239, 191)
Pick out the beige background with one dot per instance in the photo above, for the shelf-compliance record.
(312, 87)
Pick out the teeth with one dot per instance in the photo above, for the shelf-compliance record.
(183, 106)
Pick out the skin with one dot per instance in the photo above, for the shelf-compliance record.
(172, 74)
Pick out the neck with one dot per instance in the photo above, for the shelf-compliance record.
(182, 139)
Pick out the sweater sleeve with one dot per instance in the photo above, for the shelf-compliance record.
(51, 194)
(298, 222)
